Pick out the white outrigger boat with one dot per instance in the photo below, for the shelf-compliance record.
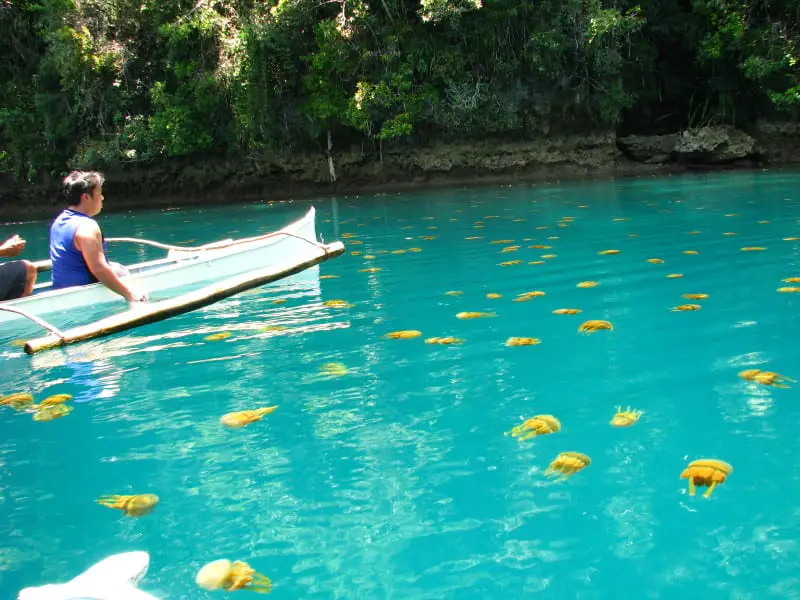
(235, 266)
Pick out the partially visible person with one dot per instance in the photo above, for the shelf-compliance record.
(77, 247)
(17, 277)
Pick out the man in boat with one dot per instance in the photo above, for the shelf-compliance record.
(17, 276)
(77, 247)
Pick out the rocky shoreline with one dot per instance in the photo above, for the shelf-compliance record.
(280, 177)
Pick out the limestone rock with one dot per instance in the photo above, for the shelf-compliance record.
(713, 145)
(649, 149)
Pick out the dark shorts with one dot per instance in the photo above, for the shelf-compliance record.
(12, 279)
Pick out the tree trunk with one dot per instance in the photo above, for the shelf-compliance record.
(331, 168)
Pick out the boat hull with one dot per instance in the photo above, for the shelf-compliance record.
(181, 272)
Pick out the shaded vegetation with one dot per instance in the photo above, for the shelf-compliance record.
(102, 82)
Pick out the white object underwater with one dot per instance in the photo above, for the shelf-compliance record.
(113, 578)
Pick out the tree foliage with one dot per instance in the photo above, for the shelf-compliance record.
(102, 82)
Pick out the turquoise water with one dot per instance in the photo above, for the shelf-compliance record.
(396, 480)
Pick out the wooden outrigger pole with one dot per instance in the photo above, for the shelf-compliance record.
(158, 311)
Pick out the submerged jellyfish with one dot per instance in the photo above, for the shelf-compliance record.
(238, 419)
(49, 413)
(587, 284)
(493, 296)
(133, 506)
(568, 463)
(595, 325)
(474, 315)
(789, 290)
(655, 261)
(522, 341)
(444, 341)
(230, 576)
(17, 401)
(53, 400)
(766, 378)
(538, 425)
(674, 275)
(223, 335)
(607, 252)
(706, 472)
(686, 307)
(337, 304)
(510, 263)
(406, 334)
(333, 369)
(567, 311)
(625, 418)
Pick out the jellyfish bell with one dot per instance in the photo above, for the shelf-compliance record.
(223, 574)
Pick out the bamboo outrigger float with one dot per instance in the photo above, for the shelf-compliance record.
(244, 264)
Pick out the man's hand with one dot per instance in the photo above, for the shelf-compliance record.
(13, 246)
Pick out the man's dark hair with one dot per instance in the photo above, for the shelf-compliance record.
(78, 183)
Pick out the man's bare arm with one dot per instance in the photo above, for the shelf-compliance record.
(89, 242)
(13, 246)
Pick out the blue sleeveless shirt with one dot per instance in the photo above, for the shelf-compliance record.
(69, 268)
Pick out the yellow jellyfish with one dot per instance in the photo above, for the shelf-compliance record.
(522, 341)
(474, 315)
(595, 325)
(17, 401)
(369, 257)
(607, 252)
(444, 341)
(791, 239)
(270, 328)
(625, 418)
(691, 252)
(693, 232)
(501, 242)
(766, 378)
(333, 369)
(49, 413)
(694, 296)
(279, 301)
(453, 293)
(525, 296)
(686, 307)
(133, 506)
(510, 263)
(674, 275)
(405, 334)
(706, 472)
(224, 335)
(337, 304)
(355, 252)
(413, 249)
(567, 311)
(236, 420)
(789, 290)
(536, 425)
(753, 248)
(729, 233)
(540, 247)
(510, 249)
(232, 576)
(655, 261)
(492, 296)
(548, 256)
(568, 463)
(398, 251)
(329, 277)
(619, 219)
(537, 262)
(587, 284)
(791, 280)
(474, 237)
